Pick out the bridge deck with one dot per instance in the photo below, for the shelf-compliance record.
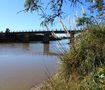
(43, 32)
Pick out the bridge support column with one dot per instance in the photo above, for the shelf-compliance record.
(72, 37)
(26, 38)
(46, 38)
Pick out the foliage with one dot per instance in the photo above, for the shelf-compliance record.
(55, 8)
(83, 67)
(7, 30)
(98, 5)
(94, 81)
(87, 53)
(84, 21)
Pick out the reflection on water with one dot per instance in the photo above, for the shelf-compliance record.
(23, 65)
(46, 48)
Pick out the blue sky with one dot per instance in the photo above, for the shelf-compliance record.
(26, 21)
(10, 19)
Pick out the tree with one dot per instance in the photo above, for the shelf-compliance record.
(56, 8)
(7, 30)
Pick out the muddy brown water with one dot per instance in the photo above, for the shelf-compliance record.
(24, 65)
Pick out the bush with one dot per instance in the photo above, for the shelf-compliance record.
(83, 67)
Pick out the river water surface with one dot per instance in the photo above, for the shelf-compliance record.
(24, 65)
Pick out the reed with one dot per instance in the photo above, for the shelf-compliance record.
(83, 67)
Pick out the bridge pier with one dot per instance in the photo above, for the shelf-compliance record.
(46, 38)
(72, 36)
(26, 38)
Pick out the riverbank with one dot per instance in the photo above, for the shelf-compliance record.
(37, 87)
(83, 67)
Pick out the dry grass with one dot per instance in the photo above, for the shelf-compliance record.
(83, 67)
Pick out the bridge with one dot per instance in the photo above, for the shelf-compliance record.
(28, 36)
(49, 32)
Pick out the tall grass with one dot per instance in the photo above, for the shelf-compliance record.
(83, 67)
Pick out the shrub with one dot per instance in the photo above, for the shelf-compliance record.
(83, 67)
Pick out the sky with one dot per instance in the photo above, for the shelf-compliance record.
(25, 21)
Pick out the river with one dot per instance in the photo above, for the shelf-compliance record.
(23, 65)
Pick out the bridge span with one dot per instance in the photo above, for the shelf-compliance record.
(27, 36)
(49, 32)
